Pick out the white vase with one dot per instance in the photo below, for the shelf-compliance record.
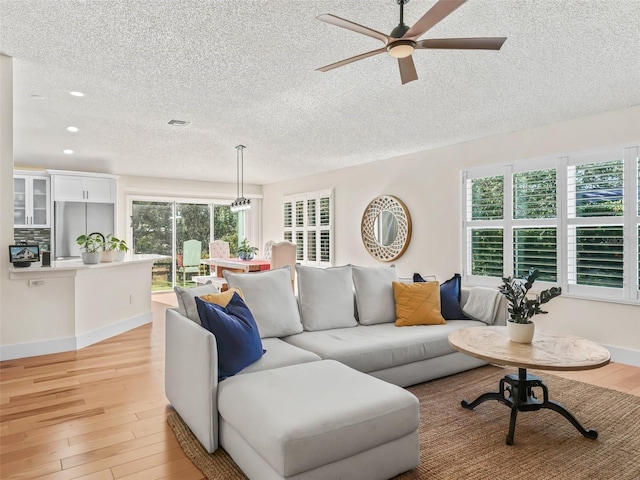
(120, 255)
(107, 256)
(520, 332)
(90, 258)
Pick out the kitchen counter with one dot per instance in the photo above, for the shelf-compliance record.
(74, 264)
(70, 305)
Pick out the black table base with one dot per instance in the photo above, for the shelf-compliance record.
(520, 397)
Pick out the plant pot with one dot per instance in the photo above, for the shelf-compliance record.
(521, 332)
(119, 256)
(245, 256)
(90, 258)
(107, 256)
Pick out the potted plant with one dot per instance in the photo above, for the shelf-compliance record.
(246, 251)
(91, 245)
(522, 307)
(113, 249)
(121, 247)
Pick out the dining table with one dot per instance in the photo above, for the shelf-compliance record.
(218, 265)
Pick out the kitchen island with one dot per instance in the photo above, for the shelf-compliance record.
(70, 305)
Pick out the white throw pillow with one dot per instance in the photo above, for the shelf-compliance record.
(187, 303)
(270, 298)
(374, 294)
(325, 297)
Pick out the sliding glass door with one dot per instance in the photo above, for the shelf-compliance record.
(182, 231)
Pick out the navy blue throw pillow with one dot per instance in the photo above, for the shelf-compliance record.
(449, 297)
(236, 332)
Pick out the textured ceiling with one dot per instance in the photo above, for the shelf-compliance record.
(244, 72)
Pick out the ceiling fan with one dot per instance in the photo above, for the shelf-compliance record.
(403, 40)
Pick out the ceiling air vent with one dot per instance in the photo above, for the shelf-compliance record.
(179, 123)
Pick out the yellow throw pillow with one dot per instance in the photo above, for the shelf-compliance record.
(222, 298)
(417, 304)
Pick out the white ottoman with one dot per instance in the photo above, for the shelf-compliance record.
(319, 420)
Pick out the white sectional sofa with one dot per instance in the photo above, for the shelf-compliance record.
(371, 344)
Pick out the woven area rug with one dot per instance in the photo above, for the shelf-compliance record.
(456, 443)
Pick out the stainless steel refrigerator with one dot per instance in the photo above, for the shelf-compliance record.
(72, 219)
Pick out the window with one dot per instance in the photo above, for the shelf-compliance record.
(308, 222)
(162, 227)
(576, 219)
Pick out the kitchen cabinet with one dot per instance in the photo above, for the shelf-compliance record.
(80, 188)
(31, 201)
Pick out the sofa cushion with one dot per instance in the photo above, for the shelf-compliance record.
(302, 417)
(186, 300)
(236, 334)
(270, 298)
(417, 304)
(222, 298)
(325, 297)
(280, 354)
(376, 347)
(374, 294)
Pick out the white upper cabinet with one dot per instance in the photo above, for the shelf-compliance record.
(77, 188)
(31, 200)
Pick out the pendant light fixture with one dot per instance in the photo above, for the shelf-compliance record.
(240, 203)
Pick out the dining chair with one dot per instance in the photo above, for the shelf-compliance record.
(191, 253)
(268, 247)
(219, 249)
(284, 253)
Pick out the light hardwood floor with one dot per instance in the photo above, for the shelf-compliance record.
(100, 413)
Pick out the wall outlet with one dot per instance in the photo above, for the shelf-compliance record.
(131, 299)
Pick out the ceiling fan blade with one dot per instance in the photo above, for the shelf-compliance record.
(407, 69)
(354, 27)
(437, 13)
(326, 68)
(486, 43)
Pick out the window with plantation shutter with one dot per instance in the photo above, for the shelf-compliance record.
(308, 222)
(595, 233)
(574, 218)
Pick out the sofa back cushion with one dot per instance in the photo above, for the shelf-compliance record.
(186, 300)
(325, 296)
(269, 296)
(374, 294)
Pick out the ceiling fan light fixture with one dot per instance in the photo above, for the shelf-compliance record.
(401, 48)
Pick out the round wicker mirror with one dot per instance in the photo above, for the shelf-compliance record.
(386, 228)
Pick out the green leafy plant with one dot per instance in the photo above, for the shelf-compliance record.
(522, 307)
(245, 250)
(91, 243)
(113, 243)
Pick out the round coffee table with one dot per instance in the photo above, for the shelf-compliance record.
(548, 351)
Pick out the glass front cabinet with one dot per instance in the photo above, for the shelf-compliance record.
(31, 198)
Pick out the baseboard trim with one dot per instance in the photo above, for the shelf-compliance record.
(33, 349)
(102, 333)
(624, 355)
(68, 344)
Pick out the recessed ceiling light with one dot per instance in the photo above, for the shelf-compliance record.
(72, 129)
(77, 94)
(68, 152)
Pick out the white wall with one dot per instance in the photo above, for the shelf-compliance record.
(429, 184)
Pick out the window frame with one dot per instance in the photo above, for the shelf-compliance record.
(305, 228)
(630, 220)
